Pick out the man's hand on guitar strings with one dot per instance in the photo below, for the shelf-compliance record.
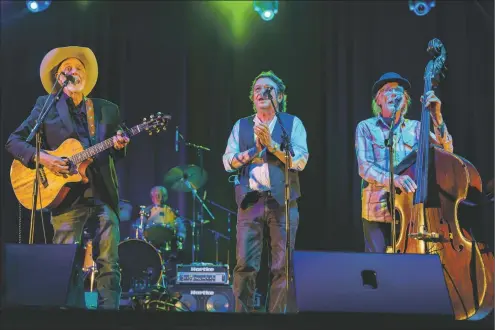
(56, 165)
(120, 140)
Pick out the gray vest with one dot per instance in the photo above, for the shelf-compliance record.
(275, 166)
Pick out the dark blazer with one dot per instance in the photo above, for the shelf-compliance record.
(57, 127)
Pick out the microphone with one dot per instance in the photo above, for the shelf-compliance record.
(266, 93)
(71, 78)
(397, 104)
(177, 139)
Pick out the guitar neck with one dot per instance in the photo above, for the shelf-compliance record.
(102, 146)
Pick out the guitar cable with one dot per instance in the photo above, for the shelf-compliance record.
(19, 229)
(41, 213)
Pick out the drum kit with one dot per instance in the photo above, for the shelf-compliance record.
(148, 257)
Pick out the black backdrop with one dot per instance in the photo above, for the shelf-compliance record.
(180, 58)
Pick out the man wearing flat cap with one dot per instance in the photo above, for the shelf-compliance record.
(90, 121)
(390, 103)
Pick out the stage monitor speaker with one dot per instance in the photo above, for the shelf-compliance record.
(370, 283)
(42, 275)
(204, 298)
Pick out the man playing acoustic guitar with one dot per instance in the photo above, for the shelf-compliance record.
(89, 121)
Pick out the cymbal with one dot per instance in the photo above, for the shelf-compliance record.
(176, 178)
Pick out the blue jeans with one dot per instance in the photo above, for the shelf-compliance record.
(68, 228)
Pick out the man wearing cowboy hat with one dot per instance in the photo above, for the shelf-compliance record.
(90, 121)
(390, 103)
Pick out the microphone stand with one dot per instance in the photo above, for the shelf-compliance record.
(286, 146)
(391, 151)
(35, 133)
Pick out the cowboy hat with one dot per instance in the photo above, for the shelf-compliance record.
(53, 58)
(390, 77)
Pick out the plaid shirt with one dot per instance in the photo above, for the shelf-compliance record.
(373, 159)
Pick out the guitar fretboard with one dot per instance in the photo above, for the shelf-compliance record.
(104, 145)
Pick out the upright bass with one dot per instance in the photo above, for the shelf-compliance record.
(429, 221)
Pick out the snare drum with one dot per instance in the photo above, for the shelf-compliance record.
(141, 265)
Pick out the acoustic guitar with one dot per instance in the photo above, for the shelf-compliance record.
(53, 188)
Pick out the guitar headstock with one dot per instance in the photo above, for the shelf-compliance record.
(156, 123)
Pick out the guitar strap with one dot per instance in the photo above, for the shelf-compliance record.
(90, 113)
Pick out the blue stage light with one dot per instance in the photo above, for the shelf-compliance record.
(421, 8)
(37, 6)
(266, 9)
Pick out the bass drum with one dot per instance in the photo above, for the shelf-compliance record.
(140, 265)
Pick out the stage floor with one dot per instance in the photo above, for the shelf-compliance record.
(95, 319)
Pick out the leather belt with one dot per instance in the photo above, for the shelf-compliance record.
(264, 193)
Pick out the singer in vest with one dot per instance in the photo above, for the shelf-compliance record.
(88, 120)
(254, 150)
(390, 103)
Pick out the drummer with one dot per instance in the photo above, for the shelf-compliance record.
(161, 213)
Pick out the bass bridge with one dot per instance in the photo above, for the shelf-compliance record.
(429, 237)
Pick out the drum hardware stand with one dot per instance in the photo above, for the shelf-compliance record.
(140, 228)
(193, 239)
(199, 149)
(196, 196)
(217, 237)
(229, 214)
(195, 245)
(202, 222)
